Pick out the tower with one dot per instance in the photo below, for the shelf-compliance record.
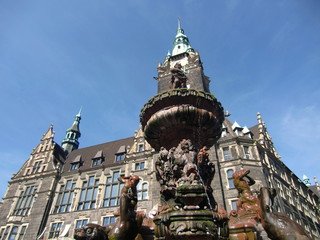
(182, 122)
(184, 58)
(70, 142)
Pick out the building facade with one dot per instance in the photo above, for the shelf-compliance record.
(61, 188)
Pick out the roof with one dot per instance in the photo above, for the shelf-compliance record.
(108, 149)
(255, 131)
(315, 189)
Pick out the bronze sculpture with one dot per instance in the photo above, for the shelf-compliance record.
(128, 223)
(243, 222)
(179, 79)
(91, 232)
(278, 225)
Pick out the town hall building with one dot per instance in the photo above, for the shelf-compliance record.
(62, 187)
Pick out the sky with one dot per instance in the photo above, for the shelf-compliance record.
(101, 55)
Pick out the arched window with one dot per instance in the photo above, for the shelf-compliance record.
(142, 189)
(230, 179)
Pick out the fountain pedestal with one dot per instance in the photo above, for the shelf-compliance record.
(184, 121)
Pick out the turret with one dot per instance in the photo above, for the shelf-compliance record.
(70, 142)
(182, 67)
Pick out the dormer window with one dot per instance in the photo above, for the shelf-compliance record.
(121, 153)
(76, 163)
(120, 157)
(98, 159)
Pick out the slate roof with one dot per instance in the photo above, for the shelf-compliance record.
(108, 150)
(255, 131)
(314, 189)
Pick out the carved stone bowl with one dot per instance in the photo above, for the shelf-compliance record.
(178, 114)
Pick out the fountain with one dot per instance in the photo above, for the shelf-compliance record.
(182, 122)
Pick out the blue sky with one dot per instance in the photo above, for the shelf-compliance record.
(56, 56)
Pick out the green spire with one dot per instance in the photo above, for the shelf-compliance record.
(181, 42)
(70, 142)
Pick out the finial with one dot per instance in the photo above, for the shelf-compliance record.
(179, 23)
(316, 181)
(79, 114)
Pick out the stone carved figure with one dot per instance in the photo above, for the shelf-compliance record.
(178, 79)
(278, 225)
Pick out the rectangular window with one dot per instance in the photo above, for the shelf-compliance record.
(120, 157)
(75, 166)
(234, 204)
(55, 230)
(140, 147)
(65, 197)
(81, 223)
(36, 167)
(230, 178)
(13, 233)
(246, 152)
(6, 232)
(142, 191)
(96, 162)
(1, 233)
(226, 154)
(112, 191)
(25, 201)
(139, 166)
(88, 194)
(108, 220)
(22, 232)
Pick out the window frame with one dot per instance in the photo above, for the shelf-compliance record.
(226, 153)
(55, 229)
(62, 206)
(81, 222)
(119, 157)
(25, 201)
(139, 166)
(111, 220)
(230, 178)
(113, 187)
(88, 189)
(142, 191)
(247, 154)
(36, 167)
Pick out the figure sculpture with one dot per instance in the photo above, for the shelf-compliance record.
(128, 223)
(247, 201)
(243, 222)
(278, 225)
(179, 79)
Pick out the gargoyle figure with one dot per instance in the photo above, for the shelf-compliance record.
(91, 232)
(278, 225)
(179, 79)
(128, 223)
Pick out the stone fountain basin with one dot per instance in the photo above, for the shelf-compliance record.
(180, 114)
